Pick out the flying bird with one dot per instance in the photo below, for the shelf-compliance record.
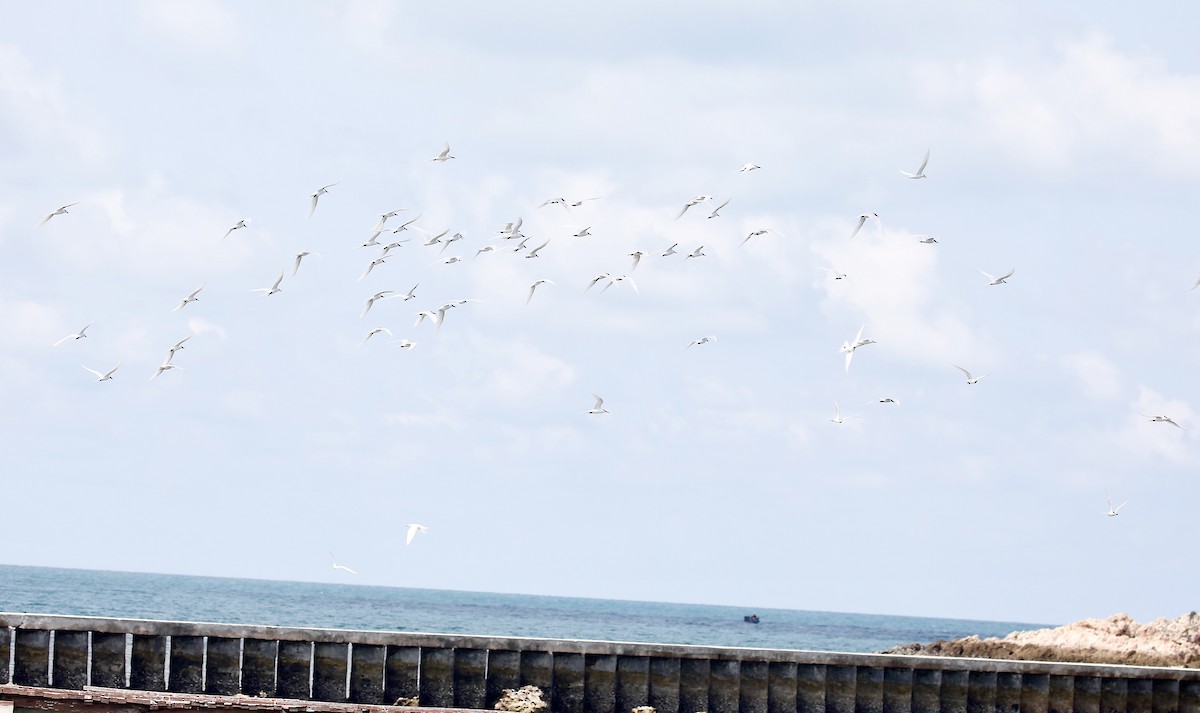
(534, 286)
(921, 170)
(599, 407)
(377, 261)
(410, 294)
(748, 167)
(594, 280)
(837, 415)
(190, 298)
(382, 294)
(106, 376)
(993, 280)
(444, 155)
(862, 218)
(534, 253)
(670, 251)
(62, 210)
(268, 291)
(1112, 512)
(754, 234)
(165, 366)
(411, 532)
(888, 400)
(695, 201)
(702, 340)
(553, 201)
(1163, 419)
(637, 258)
(580, 202)
(405, 344)
(698, 252)
(236, 226)
(316, 195)
(582, 233)
(717, 210)
(970, 379)
(81, 334)
(926, 239)
(375, 331)
(340, 566)
(177, 346)
(848, 348)
(837, 275)
(622, 279)
(300, 256)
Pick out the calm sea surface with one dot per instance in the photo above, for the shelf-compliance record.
(247, 601)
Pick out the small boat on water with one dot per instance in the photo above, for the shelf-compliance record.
(751, 619)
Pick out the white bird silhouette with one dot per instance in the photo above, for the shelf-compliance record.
(670, 251)
(581, 201)
(177, 346)
(371, 266)
(637, 258)
(165, 366)
(622, 279)
(375, 331)
(993, 280)
(848, 348)
(300, 256)
(698, 252)
(1112, 512)
(410, 294)
(1163, 419)
(268, 291)
(695, 201)
(970, 379)
(716, 211)
(599, 407)
(888, 400)
(236, 226)
(582, 233)
(594, 280)
(190, 298)
(837, 415)
(316, 195)
(702, 340)
(534, 286)
(81, 334)
(552, 201)
(340, 566)
(404, 344)
(411, 532)
(534, 253)
(62, 210)
(837, 275)
(106, 376)
(921, 170)
(444, 155)
(862, 218)
(382, 294)
(927, 239)
(754, 234)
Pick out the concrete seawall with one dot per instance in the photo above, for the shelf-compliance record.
(377, 667)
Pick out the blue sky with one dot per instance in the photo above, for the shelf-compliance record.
(1064, 144)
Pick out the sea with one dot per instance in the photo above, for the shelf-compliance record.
(44, 590)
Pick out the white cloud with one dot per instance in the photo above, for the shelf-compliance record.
(34, 103)
(1099, 377)
(197, 24)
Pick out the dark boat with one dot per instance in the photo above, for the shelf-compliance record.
(750, 619)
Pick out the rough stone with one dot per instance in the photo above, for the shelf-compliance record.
(526, 699)
(1115, 640)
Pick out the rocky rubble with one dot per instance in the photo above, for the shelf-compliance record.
(526, 699)
(1115, 640)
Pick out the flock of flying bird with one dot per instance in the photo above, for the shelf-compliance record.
(510, 238)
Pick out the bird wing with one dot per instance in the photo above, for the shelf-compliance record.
(96, 372)
(410, 534)
(924, 161)
(599, 401)
(956, 366)
(313, 206)
(718, 208)
(991, 278)
(1010, 274)
(861, 219)
(849, 356)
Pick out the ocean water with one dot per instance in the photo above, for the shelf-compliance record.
(43, 590)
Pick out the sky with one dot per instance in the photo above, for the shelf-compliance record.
(1064, 146)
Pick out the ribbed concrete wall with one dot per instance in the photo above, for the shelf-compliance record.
(579, 676)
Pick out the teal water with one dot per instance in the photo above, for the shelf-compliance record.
(45, 590)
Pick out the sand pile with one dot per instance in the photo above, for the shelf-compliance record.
(1118, 640)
